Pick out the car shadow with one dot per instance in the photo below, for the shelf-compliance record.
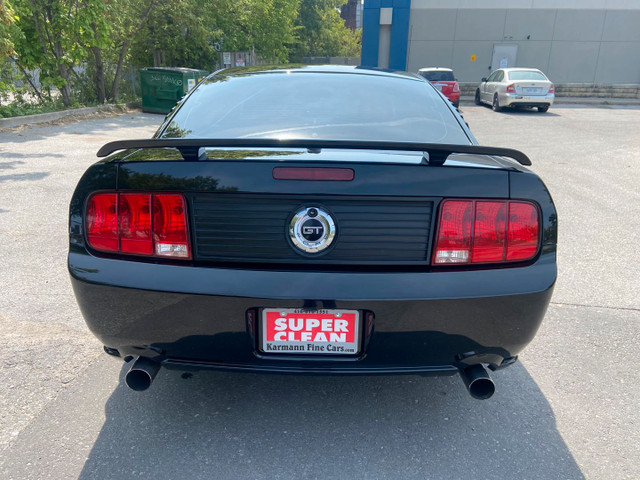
(228, 425)
(527, 111)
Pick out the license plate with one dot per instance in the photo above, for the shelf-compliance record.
(532, 91)
(304, 331)
(438, 86)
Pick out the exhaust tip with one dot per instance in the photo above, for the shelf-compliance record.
(138, 380)
(478, 382)
(482, 388)
(141, 374)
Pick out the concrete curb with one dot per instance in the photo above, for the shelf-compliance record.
(585, 101)
(37, 118)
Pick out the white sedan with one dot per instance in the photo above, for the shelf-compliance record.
(516, 87)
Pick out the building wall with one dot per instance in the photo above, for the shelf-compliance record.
(573, 41)
(395, 26)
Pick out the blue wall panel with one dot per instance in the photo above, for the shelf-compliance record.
(399, 32)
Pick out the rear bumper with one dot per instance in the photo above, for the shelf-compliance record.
(426, 323)
(512, 100)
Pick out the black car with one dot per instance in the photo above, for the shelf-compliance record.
(330, 220)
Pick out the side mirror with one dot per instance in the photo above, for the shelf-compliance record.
(484, 79)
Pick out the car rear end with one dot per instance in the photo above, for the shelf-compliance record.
(527, 88)
(443, 80)
(191, 260)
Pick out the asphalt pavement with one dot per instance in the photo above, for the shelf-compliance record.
(568, 410)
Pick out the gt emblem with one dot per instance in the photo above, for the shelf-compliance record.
(312, 230)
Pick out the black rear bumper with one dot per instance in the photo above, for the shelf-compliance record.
(421, 322)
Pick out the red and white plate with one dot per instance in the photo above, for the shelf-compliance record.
(316, 332)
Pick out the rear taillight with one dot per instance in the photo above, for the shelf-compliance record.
(486, 231)
(456, 88)
(511, 88)
(134, 211)
(151, 224)
(552, 88)
(102, 222)
(170, 226)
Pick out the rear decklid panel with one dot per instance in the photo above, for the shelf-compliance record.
(240, 213)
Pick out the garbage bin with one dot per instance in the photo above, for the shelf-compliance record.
(162, 87)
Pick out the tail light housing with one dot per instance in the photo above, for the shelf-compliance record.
(552, 88)
(456, 87)
(511, 88)
(486, 231)
(147, 224)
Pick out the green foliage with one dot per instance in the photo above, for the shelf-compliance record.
(7, 29)
(189, 33)
(21, 106)
(322, 31)
(81, 47)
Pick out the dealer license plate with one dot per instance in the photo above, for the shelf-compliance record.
(304, 331)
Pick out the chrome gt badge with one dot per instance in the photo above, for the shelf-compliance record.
(312, 230)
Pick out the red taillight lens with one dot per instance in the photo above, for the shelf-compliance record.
(489, 232)
(138, 224)
(522, 234)
(511, 89)
(135, 223)
(552, 88)
(170, 226)
(102, 222)
(456, 88)
(484, 231)
(454, 235)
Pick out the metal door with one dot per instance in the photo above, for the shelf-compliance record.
(504, 56)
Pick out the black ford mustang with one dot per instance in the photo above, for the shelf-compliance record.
(313, 219)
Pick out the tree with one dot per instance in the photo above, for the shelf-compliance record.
(111, 26)
(187, 33)
(7, 20)
(322, 31)
(58, 36)
(49, 41)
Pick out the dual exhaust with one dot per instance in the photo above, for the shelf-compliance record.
(475, 377)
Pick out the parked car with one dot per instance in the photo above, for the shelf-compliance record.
(332, 220)
(516, 87)
(444, 80)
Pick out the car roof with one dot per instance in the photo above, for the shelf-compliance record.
(520, 69)
(435, 69)
(326, 69)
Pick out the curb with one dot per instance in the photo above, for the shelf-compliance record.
(584, 101)
(38, 118)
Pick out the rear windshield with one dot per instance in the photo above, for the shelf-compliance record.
(526, 75)
(438, 76)
(318, 106)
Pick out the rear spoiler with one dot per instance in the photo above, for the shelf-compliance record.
(192, 148)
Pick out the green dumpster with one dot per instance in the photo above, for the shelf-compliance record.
(162, 87)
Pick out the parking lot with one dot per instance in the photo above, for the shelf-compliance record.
(567, 410)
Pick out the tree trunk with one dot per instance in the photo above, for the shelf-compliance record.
(100, 83)
(99, 78)
(113, 96)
